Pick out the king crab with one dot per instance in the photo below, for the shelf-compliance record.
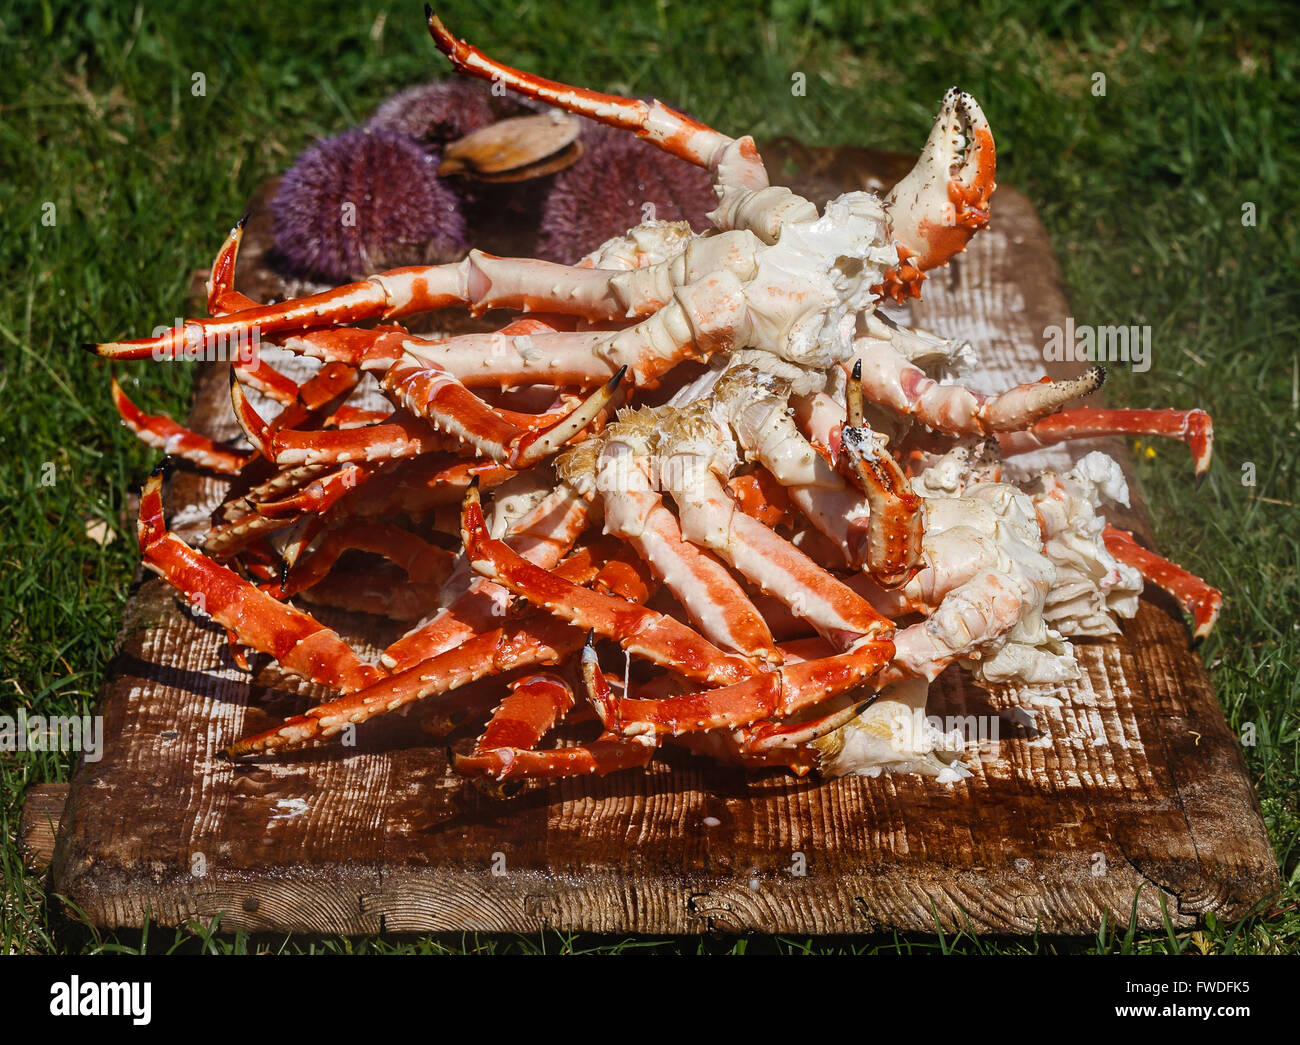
(792, 479)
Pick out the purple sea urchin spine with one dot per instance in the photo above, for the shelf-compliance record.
(436, 113)
(363, 201)
(441, 112)
(620, 182)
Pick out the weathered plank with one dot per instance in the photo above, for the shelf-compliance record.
(39, 824)
(1129, 782)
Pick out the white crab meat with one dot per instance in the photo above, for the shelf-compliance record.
(1092, 587)
(894, 735)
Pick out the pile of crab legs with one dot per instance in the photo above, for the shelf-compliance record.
(795, 423)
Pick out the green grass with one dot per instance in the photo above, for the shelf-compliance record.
(1141, 190)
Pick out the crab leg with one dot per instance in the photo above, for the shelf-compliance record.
(536, 641)
(480, 282)
(371, 349)
(542, 537)
(612, 752)
(1193, 427)
(754, 745)
(837, 511)
(493, 282)
(354, 417)
(607, 754)
(704, 317)
(704, 587)
(431, 392)
(889, 379)
(1192, 593)
(757, 412)
(330, 386)
(546, 698)
(745, 199)
(378, 348)
(224, 299)
(401, 437)
(225, 541)
(319, 495)
(712, 598)
(325, 391)
(768, 737)
(642, 632)
(389, 592)
(525, 351)
(288, 483)
(535, 704)
(775, 694)
(711, 519)
(222, 295)
(266, 379)
(671, 131)
(423, 563)
(301, 644)
(674, 132)
(526, 721)
(502, 359)
(166, 435)
(387, 295)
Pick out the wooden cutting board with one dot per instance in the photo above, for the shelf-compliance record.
(1130, 784)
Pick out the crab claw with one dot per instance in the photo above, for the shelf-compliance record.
(944, 199)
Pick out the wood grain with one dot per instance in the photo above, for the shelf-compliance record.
(1129, 782)
(39, 824)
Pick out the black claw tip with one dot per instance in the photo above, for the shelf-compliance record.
(857, 370)
(244, 220)
(428, 12)
(473, 484)
(617, 379)
(165, 468)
